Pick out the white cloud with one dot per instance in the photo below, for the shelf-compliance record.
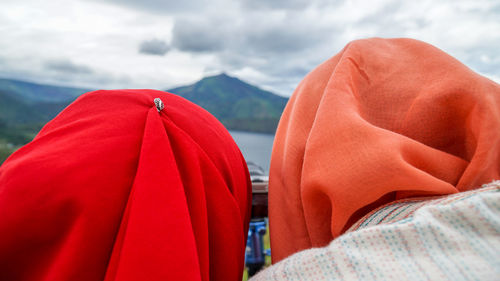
(272, 45)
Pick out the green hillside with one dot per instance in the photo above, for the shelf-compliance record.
(33, 92)
(21, 119)
(25, 107)
(238, 105)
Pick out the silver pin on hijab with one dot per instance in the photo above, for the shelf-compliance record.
(159, 104)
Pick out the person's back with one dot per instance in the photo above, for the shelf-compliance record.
(125, 185)
(385, 119)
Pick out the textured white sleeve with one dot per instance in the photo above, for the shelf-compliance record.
(454, 239)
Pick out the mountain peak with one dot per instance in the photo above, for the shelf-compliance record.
(223, 80)
(237, 104)
(223, 74)
(220, 76)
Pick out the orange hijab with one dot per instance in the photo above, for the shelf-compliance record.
(382, 120)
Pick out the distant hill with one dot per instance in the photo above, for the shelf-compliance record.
(31, 104)
(32, 92)
(25, 107)
(21, 120)
(238, 105)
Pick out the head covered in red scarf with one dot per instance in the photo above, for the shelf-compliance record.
(113, 189)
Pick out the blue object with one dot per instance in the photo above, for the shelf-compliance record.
(254, 253)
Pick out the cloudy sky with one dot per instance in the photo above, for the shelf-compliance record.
(270, 43)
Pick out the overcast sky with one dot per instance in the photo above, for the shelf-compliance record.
(270, 43)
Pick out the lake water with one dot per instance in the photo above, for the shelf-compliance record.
(255, 147)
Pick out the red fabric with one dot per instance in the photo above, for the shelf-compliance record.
(111, 189)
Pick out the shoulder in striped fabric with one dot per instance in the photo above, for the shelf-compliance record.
(403, 209)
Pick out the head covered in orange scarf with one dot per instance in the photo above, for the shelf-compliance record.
(381, 120)
(113, 189)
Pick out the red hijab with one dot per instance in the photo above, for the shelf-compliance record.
(113, 189)
(384, 119)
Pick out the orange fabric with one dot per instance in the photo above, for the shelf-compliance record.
(384, 119)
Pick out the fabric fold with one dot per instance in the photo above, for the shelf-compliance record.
(382, 120)
(115, 189)
(157, 226)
